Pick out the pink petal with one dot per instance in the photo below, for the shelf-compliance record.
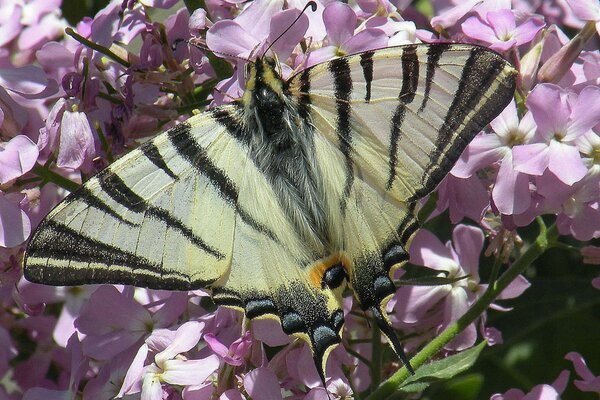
(15, 226)
(549, 119)
(11, 24)
(282, 21)
(340, 21)
(261, 383)
(585, 113)
(586, 225)
(561, 382)
(134, 372)
(17, 158)
(320, 55)
(190, 372)
(367, 39)
(29, 80)
(426, 249)
(468, 242)
(483, 151)
(76, 141)
(507, 121)
(269, 332)
(414, 302)
(565, 162)
(231, 394)
(526, 32)
(511, 191)
(187, 337)
(455, 306)
(474, 28)
(515, 288)
(587, 10)
(99, 314)
(256, 18)
(502, 21)
(215, 345)
(227, 37)
(542, 392)
(532, 159)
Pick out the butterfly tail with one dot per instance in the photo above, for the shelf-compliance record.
(386, 328)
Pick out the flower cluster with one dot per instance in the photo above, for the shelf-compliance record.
(73, 97)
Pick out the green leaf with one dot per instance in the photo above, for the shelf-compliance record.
(442, 369)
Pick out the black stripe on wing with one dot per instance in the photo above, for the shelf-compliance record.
(54, 241)
(479, 73)
(366, 62)
(152, 153)
(434, 53)
(410, 80)
(113, 186)
(197, 156)
(342, 82)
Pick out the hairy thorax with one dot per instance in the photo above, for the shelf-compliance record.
(282, 147)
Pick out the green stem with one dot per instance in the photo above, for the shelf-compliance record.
(97, 47)
(545, 240)
(375, 365)
(50, 176)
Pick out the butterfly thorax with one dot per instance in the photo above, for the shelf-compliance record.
(281, 146)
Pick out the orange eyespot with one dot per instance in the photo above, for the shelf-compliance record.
(319, 269)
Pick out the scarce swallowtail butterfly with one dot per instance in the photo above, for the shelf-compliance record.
(276, 201)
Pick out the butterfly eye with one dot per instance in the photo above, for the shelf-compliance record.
(334, 277)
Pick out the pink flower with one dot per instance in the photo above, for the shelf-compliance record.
(511, 191)
(459, 259)
(586, 10)
(539, 392)
(72, 132)
(15, 226)
(340, 22)
(17, 157)
(262, 383)
(109, 333)
(456, 10)
(463, 197)
(589, 382)
(171, 367)
(237, 351)
(500, 30)
(561, 118)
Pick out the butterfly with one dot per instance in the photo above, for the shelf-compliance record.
(279, 200)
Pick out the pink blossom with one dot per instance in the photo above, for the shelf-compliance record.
(237, 351)
(500, 30)
(340, 22)
(558, 128)
(17, 157)
(588, 382)
(170, 367)
(15, 226)
(463, 197)
(586, 10)
(459, 259)
(539, 392)
(72, 132)
(262, 383)
(456, 10)
(511, 190)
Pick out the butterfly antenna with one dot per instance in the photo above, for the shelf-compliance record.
(313, 7)
(386, 328)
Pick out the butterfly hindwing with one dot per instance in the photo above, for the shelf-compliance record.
(399, 119)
